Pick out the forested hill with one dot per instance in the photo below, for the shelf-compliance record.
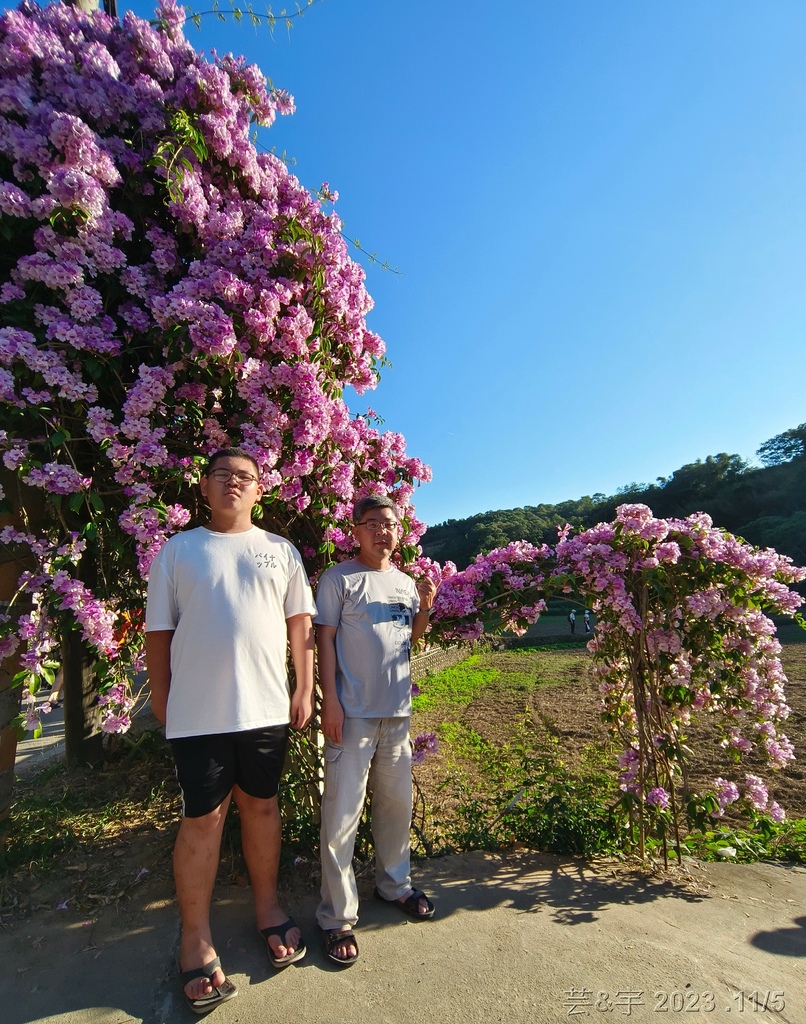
(766, 506)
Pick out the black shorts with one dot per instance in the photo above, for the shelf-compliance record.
(207, 767)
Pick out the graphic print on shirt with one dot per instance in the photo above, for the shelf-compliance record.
(400, 616)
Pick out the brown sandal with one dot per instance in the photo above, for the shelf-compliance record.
(333, 938)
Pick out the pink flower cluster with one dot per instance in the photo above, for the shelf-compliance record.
(424, 743)
(659, 797)
(97, 622)
(53, 591)
(726, 793)
(503, 589)
(116, 703)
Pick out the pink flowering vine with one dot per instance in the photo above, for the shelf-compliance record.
(682, 631)
(166, 290)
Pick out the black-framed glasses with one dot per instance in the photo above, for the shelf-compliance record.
(223, 476)
(376, 525)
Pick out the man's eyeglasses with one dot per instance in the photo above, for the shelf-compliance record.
(223, 476)
(376, 525)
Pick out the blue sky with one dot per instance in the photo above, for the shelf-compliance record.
(598, 211)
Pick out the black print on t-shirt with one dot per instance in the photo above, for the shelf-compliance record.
(400, 614)
(264, 560)
(401, 617)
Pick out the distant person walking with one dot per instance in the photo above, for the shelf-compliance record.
(572, 618)
(587, 621)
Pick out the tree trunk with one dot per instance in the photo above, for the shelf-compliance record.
(9, 709)
(10, 569)
(83, 739)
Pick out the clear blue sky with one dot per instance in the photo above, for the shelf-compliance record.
(598, 208)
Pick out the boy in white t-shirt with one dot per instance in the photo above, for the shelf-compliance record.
(224, 601)
(368, 616)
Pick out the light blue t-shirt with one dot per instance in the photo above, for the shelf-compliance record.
(372, 611)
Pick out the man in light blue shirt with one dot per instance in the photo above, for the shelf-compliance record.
(369, 614)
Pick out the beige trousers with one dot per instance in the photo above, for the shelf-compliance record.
(375, 753)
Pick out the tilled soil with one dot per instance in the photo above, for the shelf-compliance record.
(556, 694)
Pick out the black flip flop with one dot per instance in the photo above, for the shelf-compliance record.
(281, 930)
(220, 993)
(411, 905)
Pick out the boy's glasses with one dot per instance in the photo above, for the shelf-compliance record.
(223, 476)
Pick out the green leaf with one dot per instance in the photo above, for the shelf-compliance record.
(94, 368)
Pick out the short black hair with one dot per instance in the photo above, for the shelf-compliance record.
(231, 453)
(370, 502)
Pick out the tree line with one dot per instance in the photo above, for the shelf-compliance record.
(765, 505)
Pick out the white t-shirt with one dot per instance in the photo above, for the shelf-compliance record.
(373, 611)
(227, 596)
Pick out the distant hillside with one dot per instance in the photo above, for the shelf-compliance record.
(766, 506)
